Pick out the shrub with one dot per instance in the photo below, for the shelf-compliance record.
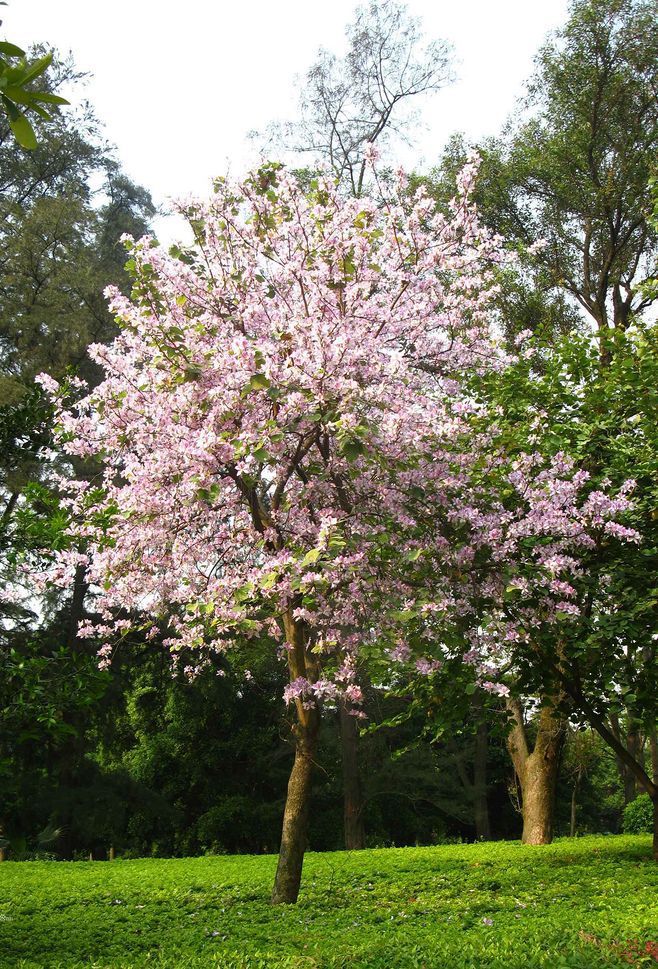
(638, 816)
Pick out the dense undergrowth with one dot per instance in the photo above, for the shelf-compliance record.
(581, 904)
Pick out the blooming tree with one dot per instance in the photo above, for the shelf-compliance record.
(276, 394)
(551, 598)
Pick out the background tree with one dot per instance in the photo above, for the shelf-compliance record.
(572, 168)
(601, 668)
(363, 98)
(58, 250)
(569, 175)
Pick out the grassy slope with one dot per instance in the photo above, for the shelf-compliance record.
(557, 907)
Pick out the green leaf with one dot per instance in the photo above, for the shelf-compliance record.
(311, 557)
(245, 592)
(413, 555)
(404, 615)
(37, 68)
(41, 112)
(192, 372)
(352, 449)
(258, 381)
(18, 95)
(269, 580)
(46, 98)
(11, 50)
(10, 107)
(23, 132)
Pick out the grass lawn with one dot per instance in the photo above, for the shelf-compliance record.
(578, 904)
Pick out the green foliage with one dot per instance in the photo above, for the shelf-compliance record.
(572, 905)
(17, 76)
(588, 767)
(571, 171)
(562, 398)
(575, 168)
(638, 815)
(59, 248)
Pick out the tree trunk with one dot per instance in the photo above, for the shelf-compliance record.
(295, 817)
(77, 607)
(634, 746)
(538, 792)
(632, 741)
(537, 770)
(301, 664)
(480, 805)
(352, 797)
(572, 826)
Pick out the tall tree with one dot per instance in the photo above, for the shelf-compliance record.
(572, 170)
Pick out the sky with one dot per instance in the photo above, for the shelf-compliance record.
(180, 85)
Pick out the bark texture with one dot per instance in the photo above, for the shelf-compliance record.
(294, 835)
(536, 770)
(296, 814)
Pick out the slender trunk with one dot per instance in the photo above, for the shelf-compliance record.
(634, 747)
(537, 770)
(611, 737)
(294, 835)
(352, 797)
(295, 817)
(475, 782)
(572, 826)
(480, 805)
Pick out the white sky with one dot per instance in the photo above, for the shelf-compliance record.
(179, 85)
